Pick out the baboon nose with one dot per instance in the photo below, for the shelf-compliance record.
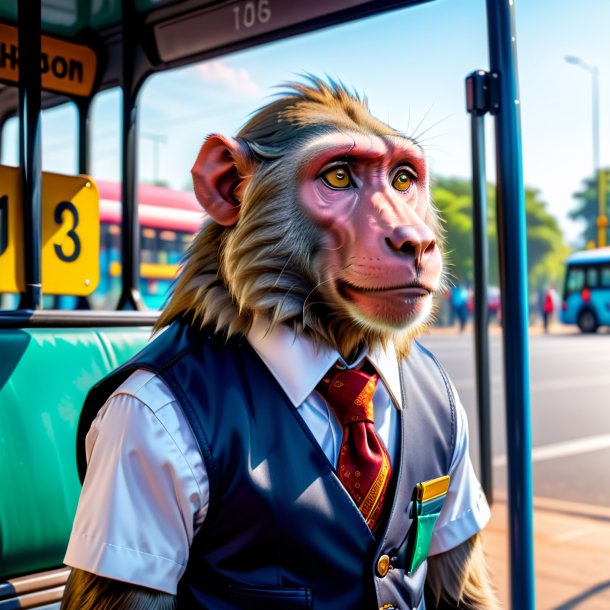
(415, 241)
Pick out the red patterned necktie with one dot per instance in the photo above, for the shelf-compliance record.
(364, 465)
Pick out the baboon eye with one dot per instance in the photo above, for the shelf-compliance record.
(402, 180)
(337, 177)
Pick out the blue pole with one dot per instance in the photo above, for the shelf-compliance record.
(513, 275)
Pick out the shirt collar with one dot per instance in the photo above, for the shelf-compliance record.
(298, 365)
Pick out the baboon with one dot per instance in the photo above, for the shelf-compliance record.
(217, 467)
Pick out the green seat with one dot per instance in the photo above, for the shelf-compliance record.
(45, 374)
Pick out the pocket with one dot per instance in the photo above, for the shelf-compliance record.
(264, 598)
(420, 544)
(426, 505)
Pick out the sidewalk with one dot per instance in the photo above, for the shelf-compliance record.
(555, 328)
(571, 554)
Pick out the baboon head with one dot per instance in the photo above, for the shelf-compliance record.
(320, 218)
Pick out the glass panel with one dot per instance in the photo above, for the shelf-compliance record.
(106, 135)
(605, 277)
(592, 275)
(10, 142)
(60, 139)
(576, 280)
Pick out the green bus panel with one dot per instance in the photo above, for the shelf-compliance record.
(44, 377)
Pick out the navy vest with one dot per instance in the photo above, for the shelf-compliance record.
(281, 532)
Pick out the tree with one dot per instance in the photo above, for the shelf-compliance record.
(586, 209)
(547, 250)
(453, 200)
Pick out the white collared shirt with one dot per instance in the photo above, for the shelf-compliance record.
(146, 491)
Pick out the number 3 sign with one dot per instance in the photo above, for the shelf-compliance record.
(70, 233)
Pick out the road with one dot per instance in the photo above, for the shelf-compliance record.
(570, 406)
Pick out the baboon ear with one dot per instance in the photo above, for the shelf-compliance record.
(223, 168)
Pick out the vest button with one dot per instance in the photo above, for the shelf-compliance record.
(383, 565)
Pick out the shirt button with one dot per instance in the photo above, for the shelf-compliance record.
(383, 565)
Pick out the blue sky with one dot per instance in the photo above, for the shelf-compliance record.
(411, 65)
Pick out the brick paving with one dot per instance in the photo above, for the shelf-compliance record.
(571, 541)
(571, 554)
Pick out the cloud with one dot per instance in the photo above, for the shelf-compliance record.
(237, 80)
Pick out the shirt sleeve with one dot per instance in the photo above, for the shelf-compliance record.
(145, 492)
(465, 511)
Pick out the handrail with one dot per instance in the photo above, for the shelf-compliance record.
(52, 318)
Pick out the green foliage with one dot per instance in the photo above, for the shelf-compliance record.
(547, 250)
(586, 210)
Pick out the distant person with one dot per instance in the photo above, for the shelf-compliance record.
(548, 307)
(459, 306)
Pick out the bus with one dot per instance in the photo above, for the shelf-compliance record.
(586, 292)
(168, 221)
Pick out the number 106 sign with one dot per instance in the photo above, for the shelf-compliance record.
(70, 233)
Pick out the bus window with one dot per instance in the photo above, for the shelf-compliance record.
(58, 140)
(592, 274)
(168, 220)
(59, 137)
(106, 135)
(576, 280)
(605, 277)
(59, 129)
(148, 241)
(10, 142)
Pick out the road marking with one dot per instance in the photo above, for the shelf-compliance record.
(569, 383)
(565, 449)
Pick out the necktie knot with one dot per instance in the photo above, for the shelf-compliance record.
(351, 395)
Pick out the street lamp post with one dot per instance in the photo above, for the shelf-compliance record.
(602, 220)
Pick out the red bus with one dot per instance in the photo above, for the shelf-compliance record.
(168, 221)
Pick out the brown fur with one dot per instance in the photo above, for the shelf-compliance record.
(86, 591)
(460, 578)
(269, 263)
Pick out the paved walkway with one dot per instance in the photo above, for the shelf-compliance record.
(571, 541)
(571, 551)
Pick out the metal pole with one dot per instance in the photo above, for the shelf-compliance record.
(602, 219)
(478, 103)
(30, 156)
(595, 115)
(84, 138)
(513, 274)
(84, 161)
(130, 230)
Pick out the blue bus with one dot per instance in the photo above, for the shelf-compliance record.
(586, 293)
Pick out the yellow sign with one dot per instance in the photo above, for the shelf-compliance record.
(64, 66)
(70, 233)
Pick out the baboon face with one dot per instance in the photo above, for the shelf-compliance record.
(321, 220)
(369, 196)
